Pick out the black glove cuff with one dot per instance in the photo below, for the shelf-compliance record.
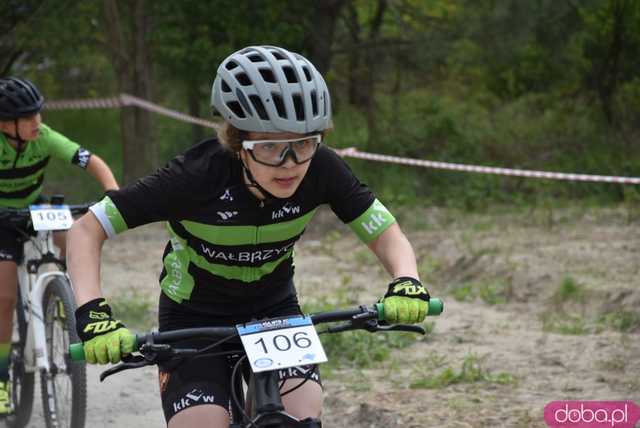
(95, 318)
(406, 286)
(93, 305)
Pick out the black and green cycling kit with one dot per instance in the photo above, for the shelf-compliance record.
(226, 247)
(22, 174)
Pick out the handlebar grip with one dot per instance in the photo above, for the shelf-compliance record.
(76, 351)
(436, 306)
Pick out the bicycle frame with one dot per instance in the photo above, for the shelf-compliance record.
(263, 392)
(38, 251)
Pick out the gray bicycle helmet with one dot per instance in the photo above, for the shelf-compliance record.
(19, 98)
(269, 89)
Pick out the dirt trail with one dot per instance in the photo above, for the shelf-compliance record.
(514, 286)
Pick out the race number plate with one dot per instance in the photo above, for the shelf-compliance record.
(280, 343)
(51, 217)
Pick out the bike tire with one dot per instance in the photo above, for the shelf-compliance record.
(64, 390)
(22, 383)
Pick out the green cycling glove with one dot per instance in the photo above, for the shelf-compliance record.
(406, 301)
(105, 339)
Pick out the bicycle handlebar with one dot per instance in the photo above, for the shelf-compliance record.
(360, 314)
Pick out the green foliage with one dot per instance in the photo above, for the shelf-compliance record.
(543, 85)
(135, 310)
(491, 292)
(471, 370)
(622, 320)
(568, 324)
(358, 349)
(569, 291)
(96, 130)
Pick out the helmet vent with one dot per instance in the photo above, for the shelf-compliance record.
(255, 58)
(243, 79)
(324, 105)
(259, 107)
(291, 75)
(231, 65)
(299, 106)
(307, 74)
(277, 55)
(267, 75)
(234, 106)
(225, 87)
(314, 103)
(277, 100)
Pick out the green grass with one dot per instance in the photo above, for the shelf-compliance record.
(569, 291)
(622, 321)
(471, 370)
(569, 324)
(135, 310)
(494, 292)
(360, 349)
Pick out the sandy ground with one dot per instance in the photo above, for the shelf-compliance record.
(511, 334)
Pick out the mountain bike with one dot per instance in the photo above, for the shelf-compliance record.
(269, 345)
(44, 322)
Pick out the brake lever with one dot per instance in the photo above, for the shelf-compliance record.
(130, 362)
(150, 354)
(411, 328)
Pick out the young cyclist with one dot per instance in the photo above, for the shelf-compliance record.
(235, 206)
(26, 145)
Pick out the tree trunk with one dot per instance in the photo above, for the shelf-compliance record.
(321, 34)
(373, 59)
(131, 62)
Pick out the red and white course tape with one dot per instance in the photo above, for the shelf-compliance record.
(125, 100)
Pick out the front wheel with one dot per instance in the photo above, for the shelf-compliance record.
(22, 382)
(64, 388)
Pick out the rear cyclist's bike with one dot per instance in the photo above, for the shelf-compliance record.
(44, 322)
(269, 345)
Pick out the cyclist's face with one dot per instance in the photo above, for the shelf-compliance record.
(28, 127)
(281, 181)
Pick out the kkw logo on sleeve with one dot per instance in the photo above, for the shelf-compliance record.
(592, 414)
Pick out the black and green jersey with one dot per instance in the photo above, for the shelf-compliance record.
(226, 247)
(22, 174)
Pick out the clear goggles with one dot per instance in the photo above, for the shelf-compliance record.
(275, 152)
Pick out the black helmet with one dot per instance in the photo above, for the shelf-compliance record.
(18, 98)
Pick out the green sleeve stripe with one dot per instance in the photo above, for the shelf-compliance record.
(375, 220)
(248, 235)
(109, 217)
(178, 283)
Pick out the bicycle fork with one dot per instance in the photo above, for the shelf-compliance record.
(37, 339)
(268, 402)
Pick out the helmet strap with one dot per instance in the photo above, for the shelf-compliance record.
(267, 195)
(18, 139)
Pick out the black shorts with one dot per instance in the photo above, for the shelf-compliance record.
(10, 244)
(207, 380)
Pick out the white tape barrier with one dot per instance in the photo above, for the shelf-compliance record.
(354, 153)
(125, 100)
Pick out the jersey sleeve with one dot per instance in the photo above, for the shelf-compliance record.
(60, 147)
(352, 201)
(161, 196)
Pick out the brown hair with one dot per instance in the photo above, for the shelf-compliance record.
(231, 137)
